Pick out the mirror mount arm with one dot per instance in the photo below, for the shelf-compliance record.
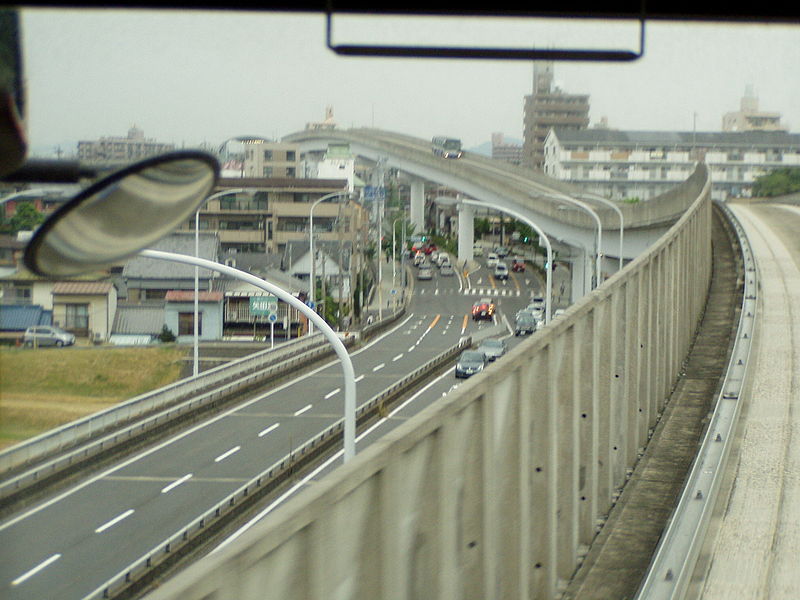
(42, 170)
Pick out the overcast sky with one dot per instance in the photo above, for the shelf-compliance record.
(194, 77)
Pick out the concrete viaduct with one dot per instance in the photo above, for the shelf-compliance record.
(506, 486)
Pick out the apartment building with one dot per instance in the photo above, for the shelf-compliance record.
(750, 118)
(547, 107)
(643, 164)
(121, 150)
(264, 214)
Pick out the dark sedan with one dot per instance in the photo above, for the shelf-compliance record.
(470, 363)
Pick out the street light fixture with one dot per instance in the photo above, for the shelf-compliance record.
(120, 216)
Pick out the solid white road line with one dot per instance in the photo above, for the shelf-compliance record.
(27, 575)
(114, 521)
(176, 483)
(225, 455)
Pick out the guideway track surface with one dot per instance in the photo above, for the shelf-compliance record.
(620, 554)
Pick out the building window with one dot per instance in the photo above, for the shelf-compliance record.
(290, 155)
(22, 294)
(186, 323)
(267, 172)
(267, 154)
(77, 316)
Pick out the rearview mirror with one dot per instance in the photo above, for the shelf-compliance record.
(116, 217)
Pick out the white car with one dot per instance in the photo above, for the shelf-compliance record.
(492, 259)
(44, 335)
(501, 271)
(477, 250)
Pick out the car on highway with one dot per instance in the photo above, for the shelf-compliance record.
(501, 251)
(45, 335)
(501, 271)
(483, 309)
(470, 363)
(477, 250)
(537, 302)
(526, 324)
(425, 273)
(447, 270)
(493, 348)
(518, 265)
(492, 259)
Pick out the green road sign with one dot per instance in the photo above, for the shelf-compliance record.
(263, 305)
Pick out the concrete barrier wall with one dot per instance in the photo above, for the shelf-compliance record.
(496, 490)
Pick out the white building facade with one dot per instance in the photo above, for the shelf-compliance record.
(643, 164)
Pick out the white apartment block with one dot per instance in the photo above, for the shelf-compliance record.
(121, 150)
(644, 164)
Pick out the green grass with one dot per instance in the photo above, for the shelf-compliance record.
(44, 388)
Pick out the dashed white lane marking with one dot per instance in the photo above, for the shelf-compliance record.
(114, 521)
(176, 483)
(306, 408)
(269, 429)
(225, 455)
(333, 393)
(42, 565)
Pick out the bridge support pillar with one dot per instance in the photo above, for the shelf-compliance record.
(466, 233)
(417, 216)
(581, 273)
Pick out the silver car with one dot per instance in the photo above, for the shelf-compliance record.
(493, 349)
(45, 335)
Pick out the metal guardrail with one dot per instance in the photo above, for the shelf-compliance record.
(42, 457)
(676, 555)
(265, 481)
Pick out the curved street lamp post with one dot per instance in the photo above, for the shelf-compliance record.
(121, 215)
(312, 288)
(196, 344)
(325, 329)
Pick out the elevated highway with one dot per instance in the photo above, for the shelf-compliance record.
(544, 200)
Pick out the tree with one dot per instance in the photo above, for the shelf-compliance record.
(166, 336)
(26, 218)
(482, 227)
(777, 182)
